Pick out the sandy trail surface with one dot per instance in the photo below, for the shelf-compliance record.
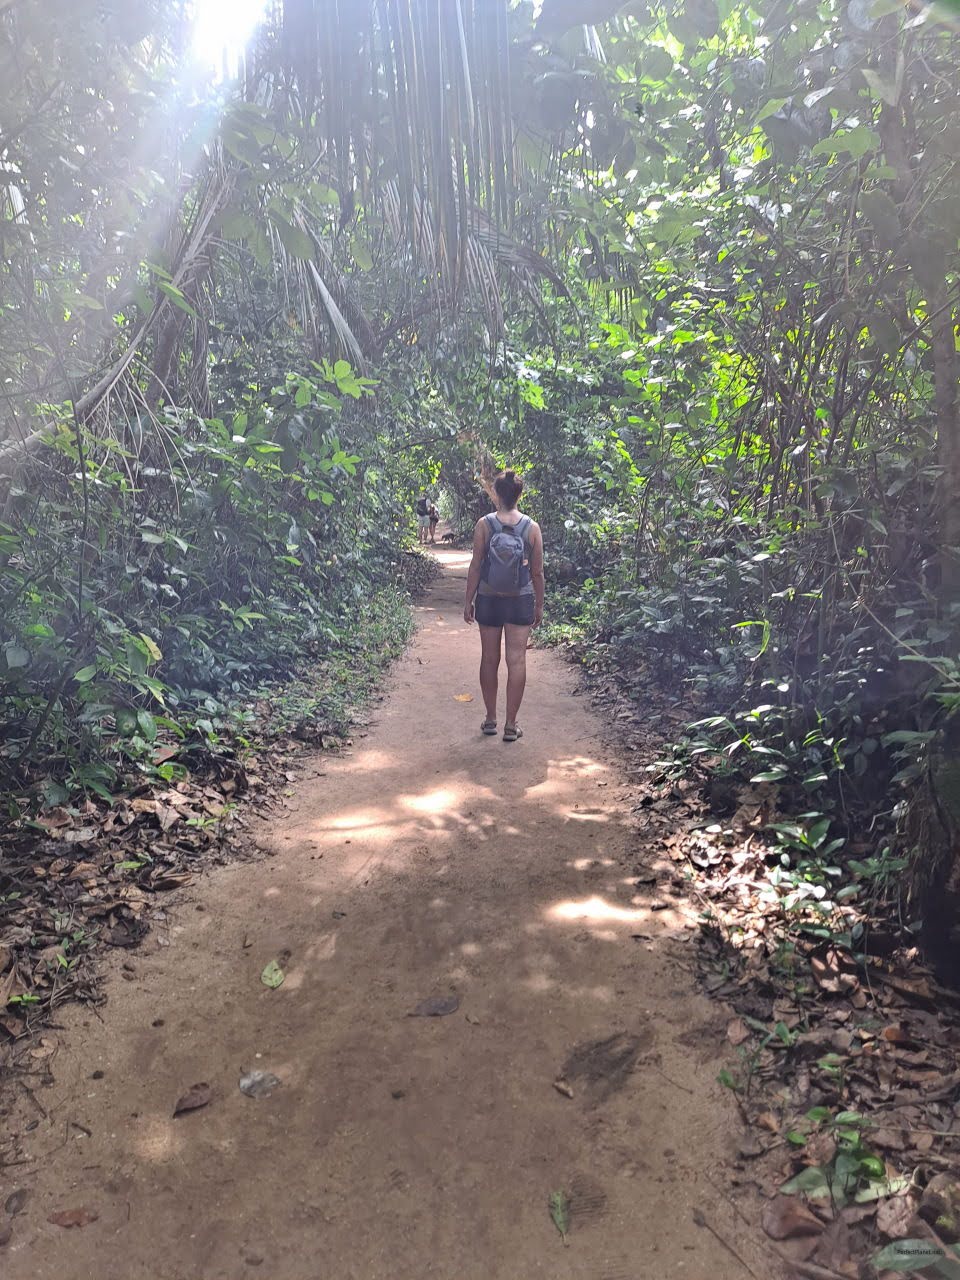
(429, 861)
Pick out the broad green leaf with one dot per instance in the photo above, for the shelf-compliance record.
(361, 254)
(176, 297)
(151, 647)
(82, 302)
(126, 720)
(85, 674)
(881, 1189)
(885, 333)
(908, 1255)
(881, 88)
(147, 725)
(655, 63)
(770, 109)
(237, 226)
(296, 242)
(324, 195)
(272, 975)
(854, 142)
(812, 1181)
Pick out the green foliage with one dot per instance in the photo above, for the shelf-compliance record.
(149, 588)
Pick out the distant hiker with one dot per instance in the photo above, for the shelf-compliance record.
(505, 589)
(423, 518)
(434, 521)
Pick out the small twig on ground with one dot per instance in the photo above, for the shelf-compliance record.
(701, 1221)
(682, 1087)
(34, 1099)
(809, 1270)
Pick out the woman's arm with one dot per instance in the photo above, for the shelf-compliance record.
(536, 573)
(476, 564)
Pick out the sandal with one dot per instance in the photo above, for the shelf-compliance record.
(489, 727)
(511, 732)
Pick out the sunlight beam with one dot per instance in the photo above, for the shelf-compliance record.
(222, 29)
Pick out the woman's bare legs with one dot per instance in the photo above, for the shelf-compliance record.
(490, 668)
(517, 638)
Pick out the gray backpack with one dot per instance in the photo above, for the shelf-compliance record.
(505, 570)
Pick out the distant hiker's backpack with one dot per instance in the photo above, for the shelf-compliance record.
(421, 506)
(505, 570)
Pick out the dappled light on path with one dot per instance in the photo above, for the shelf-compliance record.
(428, 863)
(595, 909)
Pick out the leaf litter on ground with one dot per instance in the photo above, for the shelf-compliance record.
(272, 975)
(16, 1201)
(845, 1055)
(88, 873)
(69, 1218)
(559, 1206)
(435, 1007)
(197, 1096)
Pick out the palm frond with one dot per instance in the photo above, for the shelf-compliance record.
(413, 94)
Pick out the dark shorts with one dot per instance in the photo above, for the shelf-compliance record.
(503, 611)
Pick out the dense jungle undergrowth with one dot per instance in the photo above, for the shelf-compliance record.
(691, 265)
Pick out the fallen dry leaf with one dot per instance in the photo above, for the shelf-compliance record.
(750, 1146)
(463, 697)
(786, 1219)
(15, 1202)
(896, 1034)
(435, 1007)
(940, 1205)
(895, 1215)
(561, 1086)
(73, 1217)
(53, 819)
(737, 1031)
(834, 970)
(197, 1096)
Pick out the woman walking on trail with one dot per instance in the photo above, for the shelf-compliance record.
(423, 518)
(434, 521)
(505, 589)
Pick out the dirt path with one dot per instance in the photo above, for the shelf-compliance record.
(429, 861)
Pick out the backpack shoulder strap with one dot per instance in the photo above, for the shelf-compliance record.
(494, 523)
